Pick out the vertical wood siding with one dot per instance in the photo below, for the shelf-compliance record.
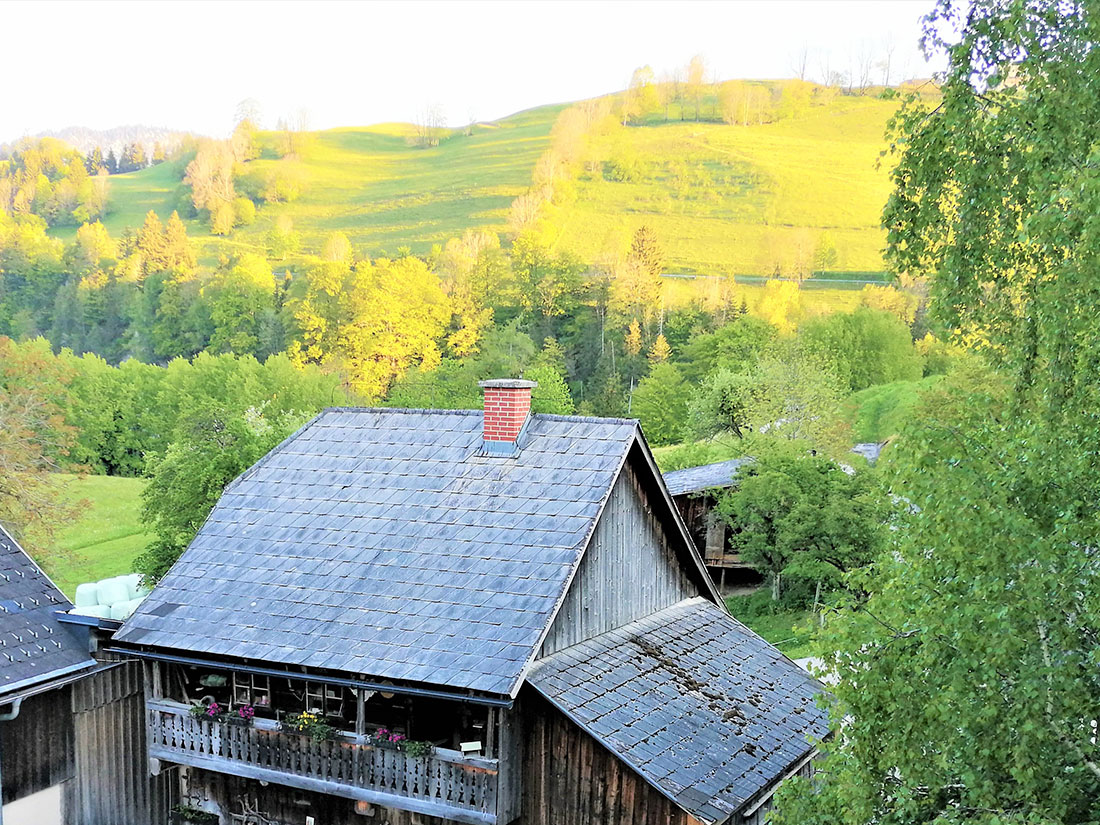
(37, 746)
(510, 780)
(570, 779)
(112, 785)
(629, 571)
(760, 815)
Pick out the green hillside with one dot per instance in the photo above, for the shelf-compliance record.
(741, 199)
(722, 199)
(373, 184)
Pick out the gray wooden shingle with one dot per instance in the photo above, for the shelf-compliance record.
(34, 646)
(382, 542)
(704, 477)
(695, 702)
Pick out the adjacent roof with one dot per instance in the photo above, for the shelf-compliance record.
(34, 646)
(695, 479)
(695, 702)
(869, 450)
(384, 542)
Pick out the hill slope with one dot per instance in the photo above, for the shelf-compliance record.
(743, 199)
(371, 184)
(722, 199)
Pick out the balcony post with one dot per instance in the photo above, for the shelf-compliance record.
(490, 734)
(150, 682)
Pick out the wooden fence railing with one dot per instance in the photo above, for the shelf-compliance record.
(446, 783)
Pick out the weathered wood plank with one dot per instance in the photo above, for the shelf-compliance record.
(629, 570)
(448, 784)
(571, 778)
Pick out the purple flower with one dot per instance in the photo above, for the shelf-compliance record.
(213, 710)
(246, 711)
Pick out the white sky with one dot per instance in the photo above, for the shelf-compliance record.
(186, 65)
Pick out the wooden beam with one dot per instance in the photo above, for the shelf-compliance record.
(361, 698)
(147, 682)
(490, 734)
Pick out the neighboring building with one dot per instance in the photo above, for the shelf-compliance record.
(39, 660)
(71, 728)
(514, 594)
(695, 491)
(870, 450)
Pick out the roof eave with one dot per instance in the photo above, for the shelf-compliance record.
(678, 521)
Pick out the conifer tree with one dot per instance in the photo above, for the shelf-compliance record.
(660, 351)
(178, 252)
(633, 342)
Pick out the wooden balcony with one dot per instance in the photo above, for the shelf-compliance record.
(445, 784)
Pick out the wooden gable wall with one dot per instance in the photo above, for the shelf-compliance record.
(630, 570)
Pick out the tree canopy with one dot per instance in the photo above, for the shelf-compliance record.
(968, 676)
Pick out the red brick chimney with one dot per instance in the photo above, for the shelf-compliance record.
(507, 405)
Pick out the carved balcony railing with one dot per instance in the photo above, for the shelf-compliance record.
(445, 784)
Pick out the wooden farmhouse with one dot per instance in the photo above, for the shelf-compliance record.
(411, 616)
(70, 727)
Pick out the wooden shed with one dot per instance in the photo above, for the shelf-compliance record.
(695, 491)
(404, 616)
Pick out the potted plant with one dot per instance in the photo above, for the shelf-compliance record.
(311, 725)
(190, 815)
(242, 716)
(385, 738)
(209, 712)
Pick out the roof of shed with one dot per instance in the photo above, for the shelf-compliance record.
(869, 450)
(34, 646)
(383, 542)
(700, 706)
(696, 479)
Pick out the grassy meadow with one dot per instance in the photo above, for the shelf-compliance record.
(370, 183)
(106, 536)
(736, 199)
(723, 200)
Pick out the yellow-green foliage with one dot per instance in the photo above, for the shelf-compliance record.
(738, 199)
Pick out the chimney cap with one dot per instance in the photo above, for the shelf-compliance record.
(507, 384)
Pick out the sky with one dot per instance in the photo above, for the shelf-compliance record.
(187, 65)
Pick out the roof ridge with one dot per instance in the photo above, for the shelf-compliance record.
(402, 410)
(586, 419)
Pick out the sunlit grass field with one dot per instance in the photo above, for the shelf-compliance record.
(372, 183)
(721, 199)
(732, 199)
(106, 537)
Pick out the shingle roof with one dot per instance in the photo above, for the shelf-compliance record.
(695, 479)
(699, 705)
(34, 646)
(383, 543)
(869, 450)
